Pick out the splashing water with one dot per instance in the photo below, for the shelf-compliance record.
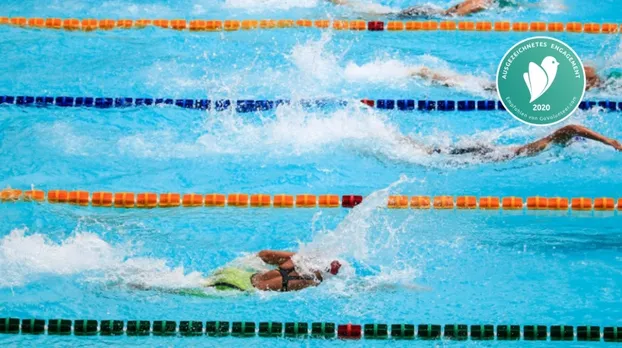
(24, 257)
(269, 5)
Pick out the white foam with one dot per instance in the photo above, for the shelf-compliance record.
(269, 5)
(24, 257)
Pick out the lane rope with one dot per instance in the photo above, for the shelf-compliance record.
(200, 25)
(250, 105)
(302, 330)
(243, 200)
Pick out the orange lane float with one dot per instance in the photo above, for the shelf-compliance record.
(285, 23)
(213, 25)
(574, 27)
(192, 200)
(429, 25)
(537, 26)
(170, 200)
(512, 203)
(10, 195)
(147, 200)
(89, 24)
(237, 200)
(58, 196)
(341, 25)
(19, 21)
(53, 23)
(502, 26)
(537, 203)
(322, 23)
(267, 24)
(358, 25)
(215, 200)
(306, 201)
(395, 26)
(398, 202)
(71, 24)
(466, 202)
(604, 203)
(102, 199)
(107, 24)
(283, 201)
(329, 201)
(581, 203)
(78, 198)
(143, 23)
(520, 26)
(413, 26)
(231, 25)
(34, 195)
(557, 203)
(179, 24)
(260, 200)
(489, 203)
(592, 28)
(466, 26)
(125, 23)
(443, 202)
(420, 202)
(483, 26)
(124, 200)
(250, 24)
(305, 23)
(610, 28)
(36, 22)
(162, 23)
(448, 25)
(556, 27)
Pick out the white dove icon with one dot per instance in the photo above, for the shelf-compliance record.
(539, 78)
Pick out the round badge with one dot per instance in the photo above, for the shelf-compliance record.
(541, 81)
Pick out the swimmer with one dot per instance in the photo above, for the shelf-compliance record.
(561, 137)
(284, 278)
(463, 8)
(592, 80)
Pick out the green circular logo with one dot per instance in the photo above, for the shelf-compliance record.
(541, 81)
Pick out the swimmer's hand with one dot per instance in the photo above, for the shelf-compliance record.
(616, 145)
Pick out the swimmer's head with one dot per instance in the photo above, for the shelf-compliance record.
(591, 77)
(334, 267)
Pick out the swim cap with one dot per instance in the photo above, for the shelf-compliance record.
(334, 267)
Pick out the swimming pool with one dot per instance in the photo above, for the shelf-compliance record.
(404, 266)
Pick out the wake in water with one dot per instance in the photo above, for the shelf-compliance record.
(316, 63)
(364, 239)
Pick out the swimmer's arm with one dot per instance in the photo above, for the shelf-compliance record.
(562, 136)
(339, 2)
(427, 74)
(275, 257)
(469, 7)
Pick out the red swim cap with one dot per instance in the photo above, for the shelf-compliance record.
(334, 267)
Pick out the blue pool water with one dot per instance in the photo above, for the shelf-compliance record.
(402, 266)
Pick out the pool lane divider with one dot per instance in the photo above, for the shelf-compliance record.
(303, 330)
(243, 200)
(214, 25)
(249, 105)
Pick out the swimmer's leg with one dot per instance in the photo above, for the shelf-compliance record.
(562, 136)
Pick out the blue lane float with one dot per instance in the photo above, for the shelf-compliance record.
(254, 105)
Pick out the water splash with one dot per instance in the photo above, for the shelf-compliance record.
(25, 257)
